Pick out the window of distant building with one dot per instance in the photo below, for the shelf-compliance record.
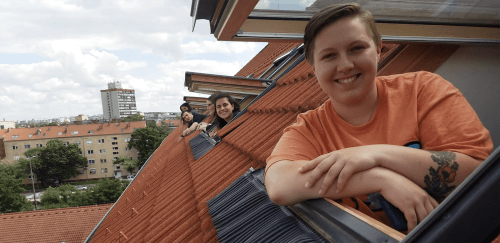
(16, 157)
(127, 140)
(102, 151)
(115, 152)
(114, 143)
(104, 170)
(39, 145)
(115, 158)
(117, 167)
(121, 130)
(100, 141)
(89, 142)
(90, 132)
(114, 138)
(92, 170)
(91, 161)
(90, 151)
(27, 146)
(81, 172)
(77, 142)
(15, 136)
(127, 149)
(74, 132)
(103, 160)
(115, 148)
(66, 143)
(15, 147)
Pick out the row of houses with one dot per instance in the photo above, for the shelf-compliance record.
(100, 143)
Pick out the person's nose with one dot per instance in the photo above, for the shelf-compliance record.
(344, 64)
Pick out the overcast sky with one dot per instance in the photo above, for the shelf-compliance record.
(56, 56)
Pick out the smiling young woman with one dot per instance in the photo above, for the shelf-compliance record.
(226, 108)
(358, 141)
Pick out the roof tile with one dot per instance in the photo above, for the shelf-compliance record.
(54, 225)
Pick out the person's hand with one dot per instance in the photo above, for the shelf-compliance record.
(412, 200)
(186, 132)
(340, 165)
(201, 127)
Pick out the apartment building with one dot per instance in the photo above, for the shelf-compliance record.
(101, 144)
(117, 103)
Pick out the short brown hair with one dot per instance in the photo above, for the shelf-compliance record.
(330, 15)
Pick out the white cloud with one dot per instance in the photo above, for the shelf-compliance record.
(83, 44)
(307, 3)
(262, 4)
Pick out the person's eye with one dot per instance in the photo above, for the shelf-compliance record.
(357, 48)
(328, 56)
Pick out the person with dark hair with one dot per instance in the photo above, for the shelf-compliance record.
(187, 107)
(212, 122)
(226, 108)
(362, 140)
(192, 121)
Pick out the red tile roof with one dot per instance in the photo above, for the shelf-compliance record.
(54, 225)
(168, 200)
(66, 131)
(265, 58)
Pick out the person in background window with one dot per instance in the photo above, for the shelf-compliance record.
(365, 138)
(226, 108)
(187, 107)
(192, 121)
(211, 121)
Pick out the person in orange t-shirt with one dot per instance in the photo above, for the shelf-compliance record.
(362, 139)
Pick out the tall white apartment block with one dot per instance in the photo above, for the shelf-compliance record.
(117, 103)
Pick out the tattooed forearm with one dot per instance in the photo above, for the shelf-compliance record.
(436, 182)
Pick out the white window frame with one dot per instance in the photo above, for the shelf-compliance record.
(104, 170)
(115, 148)
(74, 132)
(114, 138)
(16, 157)
(27, 146)
(92, 171)
(114, 143)
(91, 161)
(88, 142)
(39, 145)
(100, 141)
(103, 161)
(77, 142)
(15, 147)
(126, 140)
(90, 151)
(115, 152)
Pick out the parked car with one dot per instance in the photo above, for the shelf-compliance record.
(130, 177)
(81, 187)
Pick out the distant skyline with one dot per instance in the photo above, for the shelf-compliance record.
(56, 56)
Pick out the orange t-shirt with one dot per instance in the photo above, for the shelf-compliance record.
(412, 107)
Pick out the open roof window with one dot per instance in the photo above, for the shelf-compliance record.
(403, 21)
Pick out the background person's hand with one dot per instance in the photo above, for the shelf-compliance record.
(340, 165)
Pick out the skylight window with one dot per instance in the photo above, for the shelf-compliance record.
(60, 133)
(91, 132)
(30, 135)
(74, 132)
(15, 136)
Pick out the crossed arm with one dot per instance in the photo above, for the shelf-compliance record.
(399, 173)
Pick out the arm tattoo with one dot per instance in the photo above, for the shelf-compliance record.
(436, 182)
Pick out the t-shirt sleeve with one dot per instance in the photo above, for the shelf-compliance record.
(447, 122)
(297, 143)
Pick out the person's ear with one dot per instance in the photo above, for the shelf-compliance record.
(379, 51)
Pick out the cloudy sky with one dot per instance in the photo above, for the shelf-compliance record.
(56, 55)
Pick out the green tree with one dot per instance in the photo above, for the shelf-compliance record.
(135, 117)
(147, 139)
(54, 162)
(129, 164)
(108, 190)
(52, 124)
(11, 184)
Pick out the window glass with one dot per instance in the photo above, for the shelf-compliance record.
(27, 146)
(14, 147)
(89, 141)
(90, 151)
(91, 161)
